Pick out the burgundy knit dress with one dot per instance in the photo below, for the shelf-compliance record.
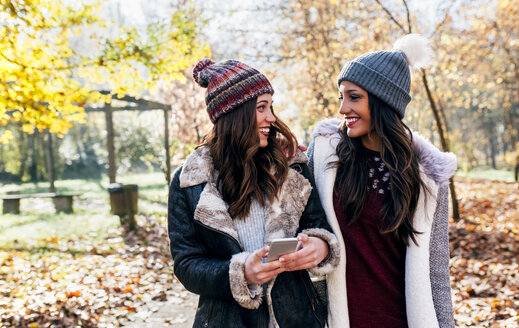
(375, 261)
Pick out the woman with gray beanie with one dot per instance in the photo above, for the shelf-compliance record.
(384, 189)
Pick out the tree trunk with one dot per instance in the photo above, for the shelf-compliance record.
(24, 152)
(50, 161)
(166, 145)
(516, 171)
(493, 152)
(112, 169)
(487, 155)
(444, 143)
(439, 125)
(33, 169)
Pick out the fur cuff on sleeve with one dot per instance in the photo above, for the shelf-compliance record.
(239, 288)
(334, 251)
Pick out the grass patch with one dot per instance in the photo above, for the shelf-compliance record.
(488, 173)
(62, 186)
(37, 230)
(153, 180)
(38, 225)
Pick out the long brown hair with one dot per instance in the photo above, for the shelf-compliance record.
(244, 169)
(400, 159)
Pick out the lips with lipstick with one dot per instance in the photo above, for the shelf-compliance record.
(351, 120)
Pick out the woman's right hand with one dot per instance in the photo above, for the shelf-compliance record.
(257, 272)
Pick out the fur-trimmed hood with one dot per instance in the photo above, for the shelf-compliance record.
(437, 165)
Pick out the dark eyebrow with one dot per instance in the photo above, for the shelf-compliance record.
(262, 101)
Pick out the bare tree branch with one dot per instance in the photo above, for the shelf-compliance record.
(391, 16)
(409, 27)
(445, 17)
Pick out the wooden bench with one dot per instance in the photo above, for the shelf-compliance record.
(62, 202)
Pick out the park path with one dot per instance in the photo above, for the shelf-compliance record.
(176, 308)
(177, 311)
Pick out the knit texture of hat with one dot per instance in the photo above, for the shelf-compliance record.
(229, 84)
(386, 74)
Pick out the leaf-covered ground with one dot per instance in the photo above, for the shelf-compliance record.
(91, 282)
(73, 283)
(485, 254)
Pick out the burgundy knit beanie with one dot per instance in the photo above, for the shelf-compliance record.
(229, 84)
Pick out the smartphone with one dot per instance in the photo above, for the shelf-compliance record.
(281, 246)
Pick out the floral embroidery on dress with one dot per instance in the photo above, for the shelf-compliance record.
(378, 174)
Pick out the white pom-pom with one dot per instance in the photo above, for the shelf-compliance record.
(417, 50)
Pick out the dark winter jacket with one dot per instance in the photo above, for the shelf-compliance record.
(209, 258)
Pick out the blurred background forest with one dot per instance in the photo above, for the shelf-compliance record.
(100, 91)
(146, 49)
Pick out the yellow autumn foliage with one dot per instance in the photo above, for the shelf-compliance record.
(40, 71)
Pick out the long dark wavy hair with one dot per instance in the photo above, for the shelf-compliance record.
(245, 169)
(400, 159)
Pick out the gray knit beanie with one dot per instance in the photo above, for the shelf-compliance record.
(386, 74)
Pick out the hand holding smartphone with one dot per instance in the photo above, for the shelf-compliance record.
(281, 246)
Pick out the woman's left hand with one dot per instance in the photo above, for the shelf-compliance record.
(313, 251)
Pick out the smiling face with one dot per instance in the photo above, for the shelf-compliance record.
(264, 118)
(355, 108)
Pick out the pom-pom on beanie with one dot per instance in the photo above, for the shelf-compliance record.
(229, 84)
(386, 74)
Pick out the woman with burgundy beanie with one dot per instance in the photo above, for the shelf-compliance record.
(384, 189)
(245, 185)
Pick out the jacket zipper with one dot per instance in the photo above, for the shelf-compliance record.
(209, 310)
(313, 307)
(208, 314)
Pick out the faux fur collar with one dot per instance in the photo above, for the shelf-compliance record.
(282, 214)
(437, 165)
(199, 168)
